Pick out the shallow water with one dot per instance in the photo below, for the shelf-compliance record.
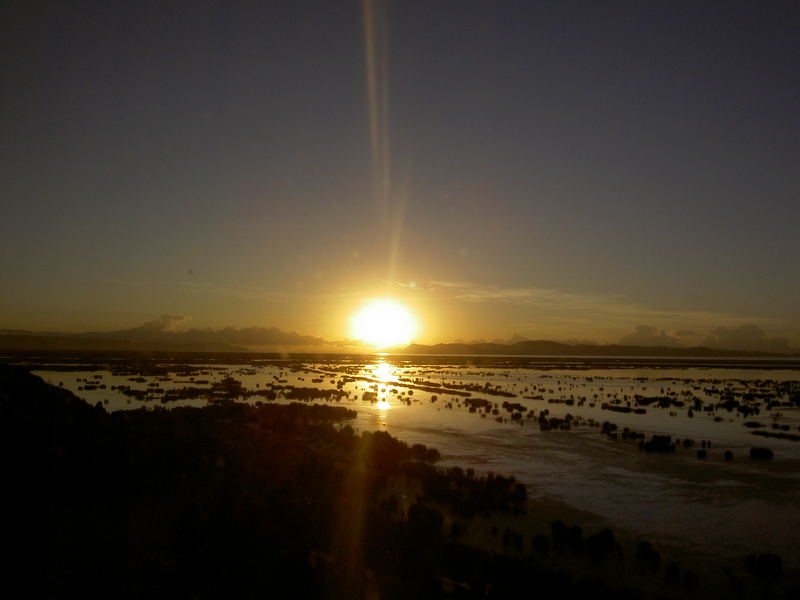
(728, 508)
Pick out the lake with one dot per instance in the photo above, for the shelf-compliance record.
(579, 431)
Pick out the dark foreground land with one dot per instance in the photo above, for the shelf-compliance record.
(233, 500)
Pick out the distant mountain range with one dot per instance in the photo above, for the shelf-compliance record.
(160, 335)
(546, 348)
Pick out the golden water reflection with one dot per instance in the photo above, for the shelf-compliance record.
(383, 371)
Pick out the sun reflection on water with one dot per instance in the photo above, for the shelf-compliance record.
(383, 371)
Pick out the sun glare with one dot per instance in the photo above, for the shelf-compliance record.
(383, 371)
(383, 323)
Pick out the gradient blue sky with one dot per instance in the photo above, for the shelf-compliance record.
(564, 170)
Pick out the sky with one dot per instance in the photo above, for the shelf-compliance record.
(585, 171)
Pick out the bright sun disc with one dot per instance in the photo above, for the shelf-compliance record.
(383, 323)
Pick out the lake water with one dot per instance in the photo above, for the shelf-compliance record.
(725, 507)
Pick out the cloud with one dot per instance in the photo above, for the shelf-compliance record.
(554, 314)
(747, 336)
(164, 329)
(645, 335)
(403, 284)
(470, 292)
(452, 284)
(165, 323)
(580, 309)
(516, 338)
(254, 336)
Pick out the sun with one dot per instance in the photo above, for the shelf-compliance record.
(383, 323)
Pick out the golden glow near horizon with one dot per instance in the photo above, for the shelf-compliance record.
(383, 323)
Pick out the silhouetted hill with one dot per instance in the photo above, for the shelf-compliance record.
(547, 348)
(232, 501)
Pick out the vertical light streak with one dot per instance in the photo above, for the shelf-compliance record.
(391, 209)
